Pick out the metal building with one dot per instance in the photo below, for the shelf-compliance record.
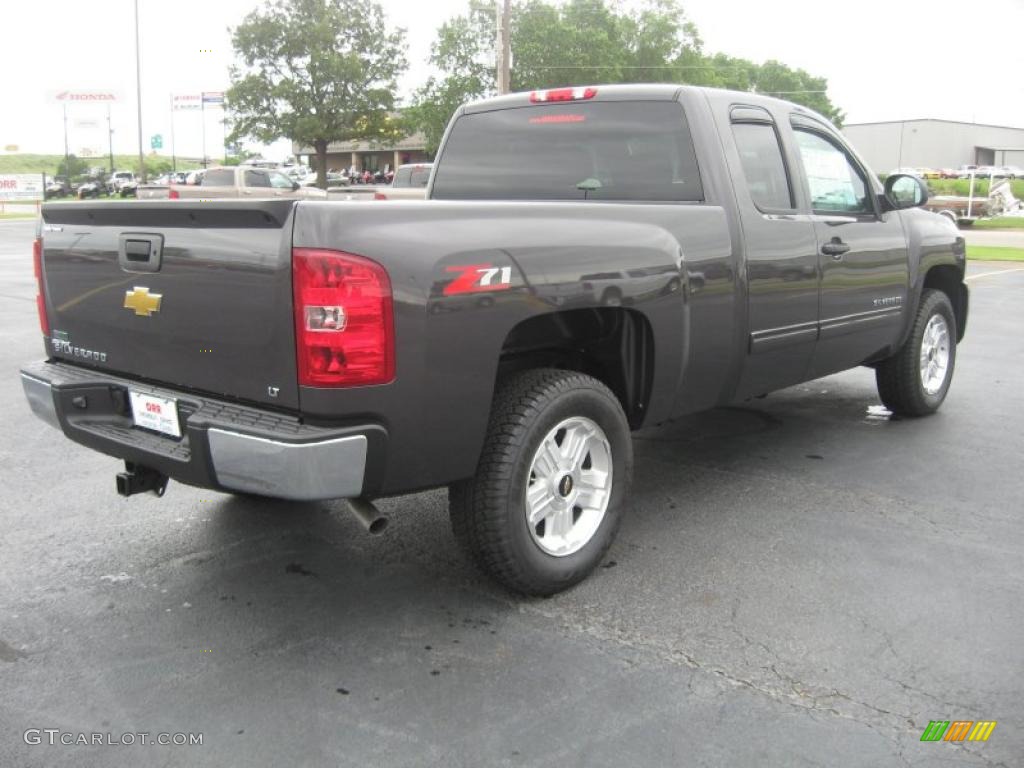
(935, 144)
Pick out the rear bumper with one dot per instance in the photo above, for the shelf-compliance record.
(224, 445)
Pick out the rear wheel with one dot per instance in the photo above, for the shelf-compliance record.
(915, 380)
(548, 494)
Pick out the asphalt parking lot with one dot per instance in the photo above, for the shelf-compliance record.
(801, 581)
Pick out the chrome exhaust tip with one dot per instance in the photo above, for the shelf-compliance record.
(371, 518)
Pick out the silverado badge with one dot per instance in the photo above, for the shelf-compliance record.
(142, 301)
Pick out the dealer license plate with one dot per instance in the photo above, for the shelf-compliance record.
(156, 413)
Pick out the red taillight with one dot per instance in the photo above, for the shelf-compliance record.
(344, 325)
(563, 94)
(37, 267)
(379, 196)
(173, 194)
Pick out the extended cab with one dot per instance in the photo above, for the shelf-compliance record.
(233, 182)
(589, 261)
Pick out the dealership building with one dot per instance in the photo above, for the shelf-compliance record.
(935, 144)
(368, 156)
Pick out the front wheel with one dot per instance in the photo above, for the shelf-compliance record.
(915, 380)
(549, 490)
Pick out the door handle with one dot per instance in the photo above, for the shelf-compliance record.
(835, 248)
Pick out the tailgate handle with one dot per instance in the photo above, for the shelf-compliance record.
(140, 252)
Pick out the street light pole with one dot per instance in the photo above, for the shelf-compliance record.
(138, 92)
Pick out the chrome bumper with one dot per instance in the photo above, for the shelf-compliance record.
(330, 469)
(306, 470)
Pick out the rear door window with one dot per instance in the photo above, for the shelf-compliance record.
(763, 166)
(611, 151)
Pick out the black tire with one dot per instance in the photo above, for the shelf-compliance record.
(488, 511)
(899, 380)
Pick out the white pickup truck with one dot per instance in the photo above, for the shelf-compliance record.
(233, 182)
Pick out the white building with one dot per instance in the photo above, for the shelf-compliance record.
(935, 144)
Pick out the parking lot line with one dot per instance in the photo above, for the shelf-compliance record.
(997, 272)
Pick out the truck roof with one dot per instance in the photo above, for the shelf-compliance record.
(635, 92)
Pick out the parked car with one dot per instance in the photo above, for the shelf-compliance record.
(56, 186)
(412, 175)
(234, 181)
(123, 183)
(367, 350)
(92, 188)
(905, 172)
(928, 173)
(409, 183)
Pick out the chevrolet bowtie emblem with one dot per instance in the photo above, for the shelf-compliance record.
(142, 301)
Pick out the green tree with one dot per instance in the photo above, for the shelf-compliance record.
(79, 167)
(315, 72)
(464, 51)
(590, 41)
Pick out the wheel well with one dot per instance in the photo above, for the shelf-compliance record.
(948, 279)
(612, 344)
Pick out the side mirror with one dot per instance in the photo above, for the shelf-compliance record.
(904, 191)
(295, 185)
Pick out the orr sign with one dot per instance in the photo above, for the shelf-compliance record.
(21, 186)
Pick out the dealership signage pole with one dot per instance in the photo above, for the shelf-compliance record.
(214, 99)
(138, 92)
(504, 47)
(174, 160)
(110, 140)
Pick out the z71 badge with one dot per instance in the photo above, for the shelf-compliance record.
(475, 278)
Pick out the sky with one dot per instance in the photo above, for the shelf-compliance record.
(884, 60)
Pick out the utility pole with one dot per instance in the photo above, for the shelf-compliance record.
(138, 92)
(504, 46)
(67, 152)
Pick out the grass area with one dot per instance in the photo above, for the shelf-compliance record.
(4, 216)
(1004, 222)
(29, 163)
(962, 187)
(994, 253)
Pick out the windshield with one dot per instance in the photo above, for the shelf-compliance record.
(636, 151)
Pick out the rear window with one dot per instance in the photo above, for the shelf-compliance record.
(624, 151)
(224, 178)
(412, 177)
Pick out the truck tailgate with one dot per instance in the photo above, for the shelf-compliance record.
(195, 295)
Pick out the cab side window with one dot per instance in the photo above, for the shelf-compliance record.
(256, 179)
(835, 183)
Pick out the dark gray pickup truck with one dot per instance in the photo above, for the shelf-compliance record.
(588, 261)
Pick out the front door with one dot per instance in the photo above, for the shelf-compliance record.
(862, 254)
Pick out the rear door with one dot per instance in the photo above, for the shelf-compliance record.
(196, 296)
(862, 252)
(781, 255)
